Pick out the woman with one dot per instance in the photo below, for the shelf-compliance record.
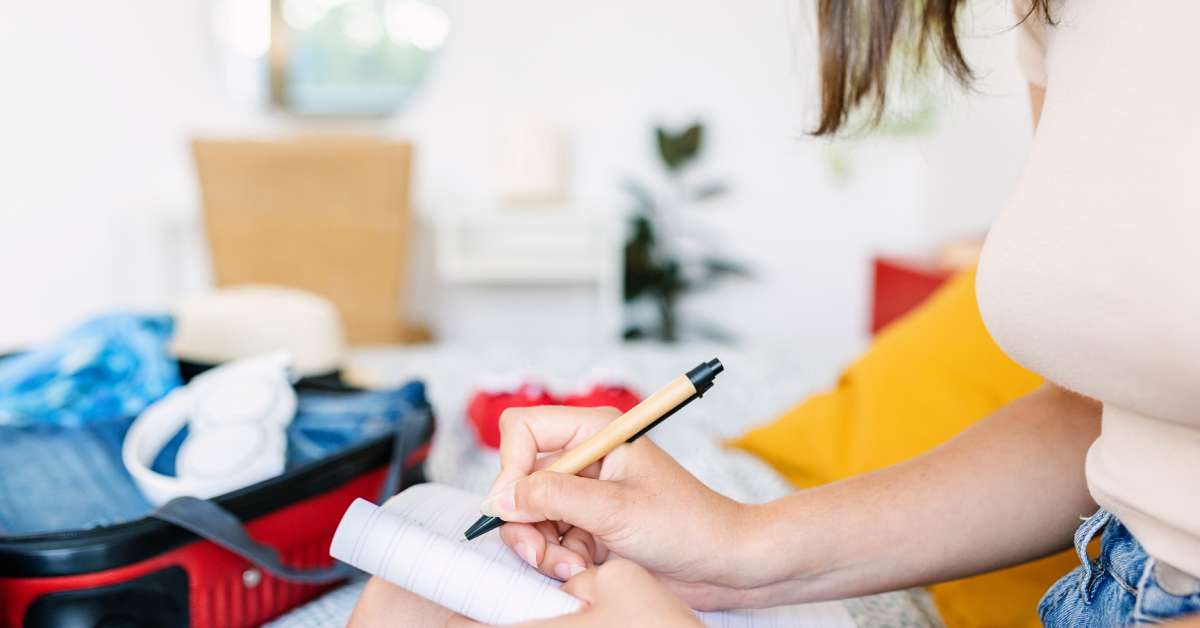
(1086, 279)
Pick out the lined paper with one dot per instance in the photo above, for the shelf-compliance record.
(414, 541)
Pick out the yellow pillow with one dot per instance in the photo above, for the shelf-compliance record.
(926, 377)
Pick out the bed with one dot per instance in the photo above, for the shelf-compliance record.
(756, 386)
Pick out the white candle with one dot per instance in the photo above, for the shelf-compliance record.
(533, 164)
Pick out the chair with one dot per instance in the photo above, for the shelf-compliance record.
(329, 215)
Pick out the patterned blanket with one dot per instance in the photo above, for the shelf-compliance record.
(754, 388)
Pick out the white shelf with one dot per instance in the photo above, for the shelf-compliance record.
(551, 246)
(538, 262)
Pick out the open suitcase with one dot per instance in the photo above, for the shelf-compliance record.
(245, 557)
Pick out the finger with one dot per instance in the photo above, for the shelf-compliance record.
(612, 466)
(384, 604)
(546, 460)
(549, 530)
(582, 586)
(602, 554)
(590, 471)
(537, 544)
(582, 543)
(561, 563)
(593, 505)
(526, 541)
(526, 432)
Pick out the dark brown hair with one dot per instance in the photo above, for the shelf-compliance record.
(858, 38)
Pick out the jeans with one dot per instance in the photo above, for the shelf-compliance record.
(55, 478)
(1123, 586)
(328, 422)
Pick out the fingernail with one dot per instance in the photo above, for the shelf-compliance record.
(527, 554)
(566, 571)
(502, 502)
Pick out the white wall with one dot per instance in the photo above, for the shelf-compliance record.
(100, 99)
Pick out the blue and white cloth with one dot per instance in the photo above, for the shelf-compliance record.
(65, 409)
(108, 368)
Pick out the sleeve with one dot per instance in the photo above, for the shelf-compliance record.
(1031, 43)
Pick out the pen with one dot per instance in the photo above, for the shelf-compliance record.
(625, 428)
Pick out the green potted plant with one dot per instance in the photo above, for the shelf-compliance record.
(659, 268)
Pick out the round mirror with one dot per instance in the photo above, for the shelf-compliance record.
(331, 57)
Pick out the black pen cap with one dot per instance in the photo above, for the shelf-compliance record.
(702, 376)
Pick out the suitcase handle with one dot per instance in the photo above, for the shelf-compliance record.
(209, 521)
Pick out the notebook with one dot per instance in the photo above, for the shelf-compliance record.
(415, 542)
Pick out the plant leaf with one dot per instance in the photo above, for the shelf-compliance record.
(709, 190)
(667, 149)
(690, 141)
(677, 150)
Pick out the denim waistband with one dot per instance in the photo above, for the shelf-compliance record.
(1083, 537)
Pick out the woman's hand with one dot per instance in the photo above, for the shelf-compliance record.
(619, 593)
(637, 503)
(383, 604)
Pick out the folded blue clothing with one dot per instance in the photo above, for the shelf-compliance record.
(55, 478)
(109, 368)
(327, 422)
(65, 409)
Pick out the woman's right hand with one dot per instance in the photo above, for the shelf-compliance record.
(637, 503)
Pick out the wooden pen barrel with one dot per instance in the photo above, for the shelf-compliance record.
(625, 426)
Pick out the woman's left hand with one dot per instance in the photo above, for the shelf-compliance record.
(620, 593)
(617, 593)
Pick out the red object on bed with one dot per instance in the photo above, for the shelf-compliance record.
(485, 408)
(604, 395)
(900, 285)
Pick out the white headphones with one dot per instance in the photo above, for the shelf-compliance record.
(237, 417)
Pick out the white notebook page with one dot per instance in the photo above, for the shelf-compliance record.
(415, 542)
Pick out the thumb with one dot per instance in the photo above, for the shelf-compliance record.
(582, 586)
(594, 505)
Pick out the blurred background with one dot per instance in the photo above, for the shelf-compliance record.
(472, 172)
(440, 209)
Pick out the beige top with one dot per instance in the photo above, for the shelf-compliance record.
(1090, 275)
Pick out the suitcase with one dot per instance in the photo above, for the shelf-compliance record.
(237, 560)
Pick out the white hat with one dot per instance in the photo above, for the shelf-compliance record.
(242, 321)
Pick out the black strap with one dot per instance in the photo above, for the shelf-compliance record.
(209, 521)
(212, 522)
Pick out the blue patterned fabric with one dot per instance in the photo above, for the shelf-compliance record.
(65, 409)
(108, 368)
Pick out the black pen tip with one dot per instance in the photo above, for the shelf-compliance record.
(484, 525)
